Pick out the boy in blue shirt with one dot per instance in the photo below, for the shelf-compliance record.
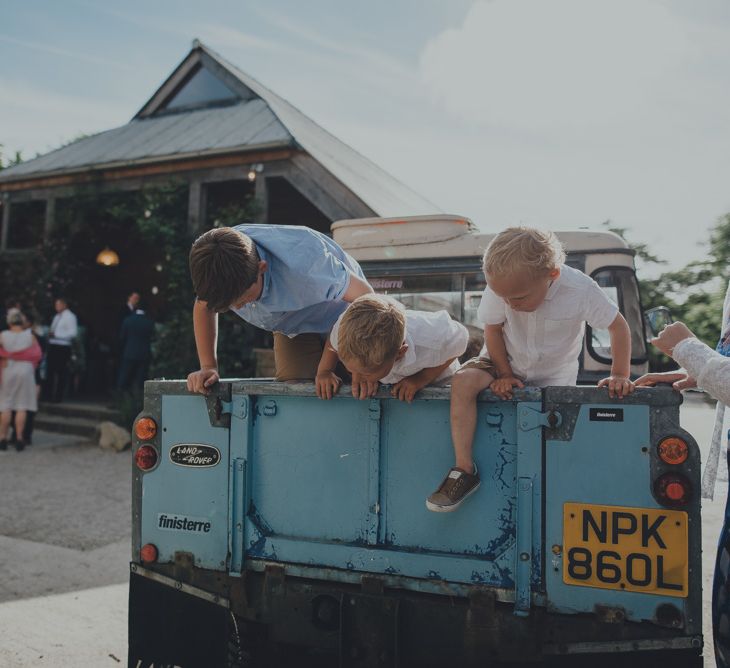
(286, 279)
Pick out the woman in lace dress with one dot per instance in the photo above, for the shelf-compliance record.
(702, 366)
(17, 382)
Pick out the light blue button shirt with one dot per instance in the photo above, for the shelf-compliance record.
(306, 277)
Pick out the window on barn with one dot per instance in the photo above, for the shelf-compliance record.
(26, 226)
(202, 88)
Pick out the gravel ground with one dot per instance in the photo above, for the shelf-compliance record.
(66, 494)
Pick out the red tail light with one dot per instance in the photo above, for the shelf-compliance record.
(672, 489)
(148, 553)
(146, 458)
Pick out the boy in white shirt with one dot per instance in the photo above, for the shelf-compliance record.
(534, 311)
(382, 342)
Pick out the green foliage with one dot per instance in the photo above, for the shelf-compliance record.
(154, 220)
(695, 293)
(162, 222)
(16, 159)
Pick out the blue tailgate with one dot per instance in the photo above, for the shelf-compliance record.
(342, 485)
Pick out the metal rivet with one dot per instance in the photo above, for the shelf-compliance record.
(525, 556)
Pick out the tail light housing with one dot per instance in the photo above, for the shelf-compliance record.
(148, 553)
(673, 490)
(146, 457)
(673, 450)
(145, 429)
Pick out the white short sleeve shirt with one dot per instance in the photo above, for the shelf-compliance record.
(432, 338)
(544, 346)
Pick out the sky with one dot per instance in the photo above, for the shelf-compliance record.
(559, 114)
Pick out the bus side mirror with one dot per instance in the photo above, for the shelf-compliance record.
(656, 320)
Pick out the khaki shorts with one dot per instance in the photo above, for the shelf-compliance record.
(297, 358)
(483, 363)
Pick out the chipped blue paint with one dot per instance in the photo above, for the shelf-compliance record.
(375, 520)
(258, 522)
(334, 490)
(342, 485)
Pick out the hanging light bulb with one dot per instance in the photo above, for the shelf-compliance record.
(107, 257)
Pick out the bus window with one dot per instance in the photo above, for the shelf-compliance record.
(422, 293)
(474, 285)
(621, 287)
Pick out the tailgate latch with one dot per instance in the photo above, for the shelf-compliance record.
(529, 419)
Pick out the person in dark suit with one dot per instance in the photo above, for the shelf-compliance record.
(129, 308)
(135, 345)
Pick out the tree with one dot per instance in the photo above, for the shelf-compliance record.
(15, 160)
(695, 293)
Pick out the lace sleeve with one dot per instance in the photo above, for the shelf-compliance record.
(709, 368)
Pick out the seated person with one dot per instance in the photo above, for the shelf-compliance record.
(534, 311)
(377, 340)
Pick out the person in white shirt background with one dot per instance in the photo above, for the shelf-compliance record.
(64, 328)
(534, 311)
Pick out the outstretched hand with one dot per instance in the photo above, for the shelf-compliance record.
(670, 336)
(680, 380)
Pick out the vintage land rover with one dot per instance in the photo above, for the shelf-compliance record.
(274, 529)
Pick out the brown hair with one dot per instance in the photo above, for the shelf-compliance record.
(519, 249)
(372, 330)
(223, 265)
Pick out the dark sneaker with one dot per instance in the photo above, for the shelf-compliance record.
(19, 446)
(453, 491)
(3, 445)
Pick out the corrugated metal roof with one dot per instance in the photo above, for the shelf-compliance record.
(243, 125)
(382, 192)
(267, 121)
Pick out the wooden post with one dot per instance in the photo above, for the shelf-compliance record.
(5, 223)
(50, 216)
(261, 200)
(196, 208)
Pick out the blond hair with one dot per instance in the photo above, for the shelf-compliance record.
(372, 330)
(519, 249)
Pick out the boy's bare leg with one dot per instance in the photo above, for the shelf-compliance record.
(465, 386)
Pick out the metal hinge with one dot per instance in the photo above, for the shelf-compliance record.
(529, 418)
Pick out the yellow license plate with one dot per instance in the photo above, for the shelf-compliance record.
(631, 549)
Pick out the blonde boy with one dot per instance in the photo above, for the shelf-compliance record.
(534, 311)
(377, 340)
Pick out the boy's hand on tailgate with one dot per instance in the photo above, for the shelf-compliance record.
(502, 387)
(618, 386)
(201, 381)
(362, 388)
(406, 389)
(327, 383)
